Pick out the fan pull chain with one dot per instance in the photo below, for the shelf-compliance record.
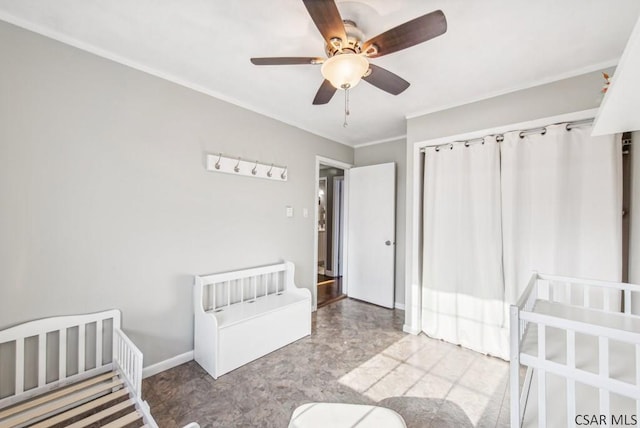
(346, 107)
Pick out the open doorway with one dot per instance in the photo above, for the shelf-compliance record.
(331, 220)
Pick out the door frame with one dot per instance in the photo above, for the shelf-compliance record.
(326, 226)
(337, 257)
(345, 167)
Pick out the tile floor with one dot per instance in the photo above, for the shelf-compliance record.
(358, 354)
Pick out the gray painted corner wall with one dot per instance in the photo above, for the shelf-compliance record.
(393, 151)
(105, 201)
(563, 96)
(634, 212)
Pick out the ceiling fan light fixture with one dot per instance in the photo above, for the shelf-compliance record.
(344, 71)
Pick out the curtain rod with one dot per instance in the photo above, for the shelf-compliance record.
(500, 137)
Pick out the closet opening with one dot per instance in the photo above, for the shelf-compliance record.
(330, 207)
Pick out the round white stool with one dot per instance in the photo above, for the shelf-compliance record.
(339, 415)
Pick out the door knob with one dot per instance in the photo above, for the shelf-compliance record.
(387, 243)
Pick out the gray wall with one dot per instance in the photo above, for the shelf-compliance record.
(393, 151)
(105, 202)
(563, 96)
(560, 97)
(634, 212)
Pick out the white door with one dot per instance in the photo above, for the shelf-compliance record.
(371, 234)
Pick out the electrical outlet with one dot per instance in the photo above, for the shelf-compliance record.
(289, 211)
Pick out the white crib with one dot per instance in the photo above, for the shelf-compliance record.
(581, 352)
(81, 369)
(242, 315)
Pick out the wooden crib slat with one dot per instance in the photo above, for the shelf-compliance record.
(124, 421)
(603, 362)
(98, 344)
(607, 299)
(42, 359)
(542, 378)
(129, 363)
(228, 284)
(586, 296)
(76, 411)
(627, 301)
(19, 366)
(514, 366)
(269, 281)
(637, 377)
(81, 347)
(571, 384)
(214, 290)
(132, 366)
(54, 395)
(254, 282)
(122, 355)
(62, 354)
(543, 290)
(127, 359)
(103, 414)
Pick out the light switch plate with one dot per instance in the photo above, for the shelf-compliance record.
(305, 213)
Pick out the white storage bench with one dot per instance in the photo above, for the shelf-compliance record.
(243, 315)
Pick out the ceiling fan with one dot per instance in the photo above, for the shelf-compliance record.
(348, 54)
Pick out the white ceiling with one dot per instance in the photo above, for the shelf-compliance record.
(491, 47)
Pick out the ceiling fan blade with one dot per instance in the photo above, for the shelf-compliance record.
(386, 80)
(408, 34)
(325, 93)
(326, 16)
(286, 60)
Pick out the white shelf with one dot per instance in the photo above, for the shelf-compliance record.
(620, 108)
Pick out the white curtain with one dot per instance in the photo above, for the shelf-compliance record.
(561, 206)
(463, 287)
(495, 212)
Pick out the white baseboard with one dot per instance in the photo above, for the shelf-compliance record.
(167, 364)
(407, 329)
(399, 306)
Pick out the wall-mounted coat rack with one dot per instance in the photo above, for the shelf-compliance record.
(238, 166)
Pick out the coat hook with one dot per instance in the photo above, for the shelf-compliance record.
(269, 173)
(254, 171)
(217, 165)
(237, 167)
(284, 173)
